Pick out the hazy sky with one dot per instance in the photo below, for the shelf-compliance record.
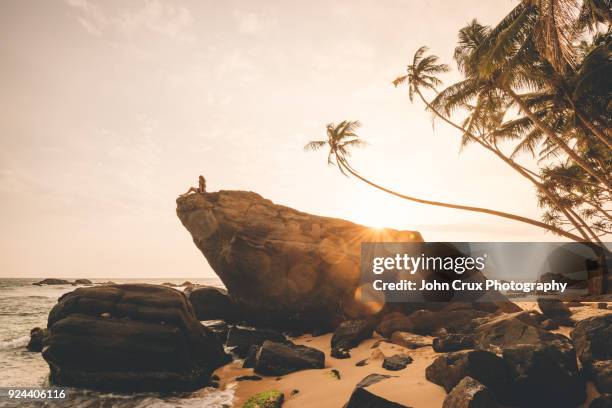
(110, 109)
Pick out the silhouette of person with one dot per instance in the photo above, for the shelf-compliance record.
(200, 189)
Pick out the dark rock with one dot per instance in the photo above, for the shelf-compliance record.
(593, 342)
(249, 361)
(52, 281)
(82, 281)
(295, 391)
(469, 393)
(152, 342)
(249, 378)
(553, 308)
(242, 338)
(453, 342)
(603, 401)
(427, 322)
(287, 268)
(372, 379)
(602, 305)
(410, 340)
(335, 373)
(211, 303)
(546, 373)
(499, 332)
(575, 304)
(556, 310)
(362, 398)
(349, 334)
(219, 327)
(266, 399)
(280, 359)
(340, 354)
(171, 285)
(362, 363)
(37, 339)
(549, 324)
(449, 369)
(396, 362)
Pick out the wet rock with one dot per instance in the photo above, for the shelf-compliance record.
(219, 327)
(280, 359)
(153, 342)
(546, 373)
(592, 338)
(242, 338)
(266, 399)
(453, 342)
(37, 339)
(362, 398)
(285, 267)
(211, 303)
(348, 335)
(52, 281)
(449, 369)
(469, 393)
(396, 362)
(410, 340)
(82, 281)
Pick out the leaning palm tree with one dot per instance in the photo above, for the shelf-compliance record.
(342, 137)
(481, 98)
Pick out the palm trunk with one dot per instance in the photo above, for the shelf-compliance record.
(515, 166)
(502, 214)
(571, 153)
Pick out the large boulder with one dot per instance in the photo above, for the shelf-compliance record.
(593, 341)
(283, 266)
(211, 303)
(284, 358)
(134, 337)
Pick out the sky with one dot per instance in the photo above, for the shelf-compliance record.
(113, 108)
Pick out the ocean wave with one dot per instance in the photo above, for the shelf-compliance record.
(15, 343)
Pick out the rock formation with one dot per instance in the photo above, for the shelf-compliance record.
(282, 265)
(129, 338)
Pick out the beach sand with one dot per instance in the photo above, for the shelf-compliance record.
(319, 388)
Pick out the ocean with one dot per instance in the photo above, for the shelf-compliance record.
(24, 306)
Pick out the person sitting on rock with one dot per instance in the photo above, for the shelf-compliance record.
(200, 189)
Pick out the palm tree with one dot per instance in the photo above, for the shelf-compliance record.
(342, 137)
(422, 73)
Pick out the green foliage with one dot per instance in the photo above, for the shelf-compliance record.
(266, 399)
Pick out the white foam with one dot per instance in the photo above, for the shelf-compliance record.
(15, 343)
